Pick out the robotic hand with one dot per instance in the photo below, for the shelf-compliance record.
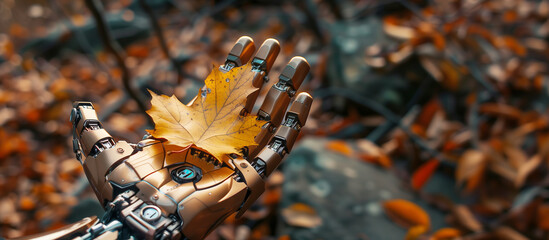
(151, 192)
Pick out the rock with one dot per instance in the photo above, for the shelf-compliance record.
(346, 193)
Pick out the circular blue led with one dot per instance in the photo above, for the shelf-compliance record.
(186, 173)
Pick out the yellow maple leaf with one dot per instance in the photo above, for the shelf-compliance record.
(213, 122)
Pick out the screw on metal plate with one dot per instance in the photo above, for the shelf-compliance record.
(150, 213)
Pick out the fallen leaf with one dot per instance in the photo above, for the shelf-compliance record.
(341, 147)
(370, 152)
(27, 203)
(507, 233)
(139, 51)
(423, 173)
(406, 213)
(391, 28)
(466, 218)
(301, 215)
(213, 122)
(446, 234)
(428, 112)
(516, 156)
(415, 232)
(431, 67)
(511, 43)
(451, 75)
(471, 167)
(500, 109)
(78, 20)
(527, 168)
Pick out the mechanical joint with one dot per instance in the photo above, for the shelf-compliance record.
(300, 107)
(266, 162)
(275, 101)
(92, 139)
(288, 135)
(278, 145)
(295, 72)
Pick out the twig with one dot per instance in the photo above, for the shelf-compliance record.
(214, 10)
(380, 131)
(336, 10)
(80, 38)
(312, 19)
(160, 35)
(112, 46)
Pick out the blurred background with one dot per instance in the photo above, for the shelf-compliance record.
(430, 118)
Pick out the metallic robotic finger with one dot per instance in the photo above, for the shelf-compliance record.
(150, 191)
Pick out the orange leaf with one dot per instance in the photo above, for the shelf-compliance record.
(510, 16)
(284, 237)
(213, 121)
(445, 234)
(479, 30)
(139, 51)
(26, 203)
(340, 147)
(451, 75)
(78, 20)
(438, 41)
(510, 43)
(428, 112)
(415, 232)
(450, 145)
(406, 213)
(423, 173)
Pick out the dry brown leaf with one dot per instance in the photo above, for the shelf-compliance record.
(500, 109)
(406, 213)
(507, 233)
(404, 52)
(471, 167)
(446, 234)
(370, 152)
(213, 122)
(516, 156)
(301, 215)
(391, 28)
(466, 218)
(431, 67)
(527, 168)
